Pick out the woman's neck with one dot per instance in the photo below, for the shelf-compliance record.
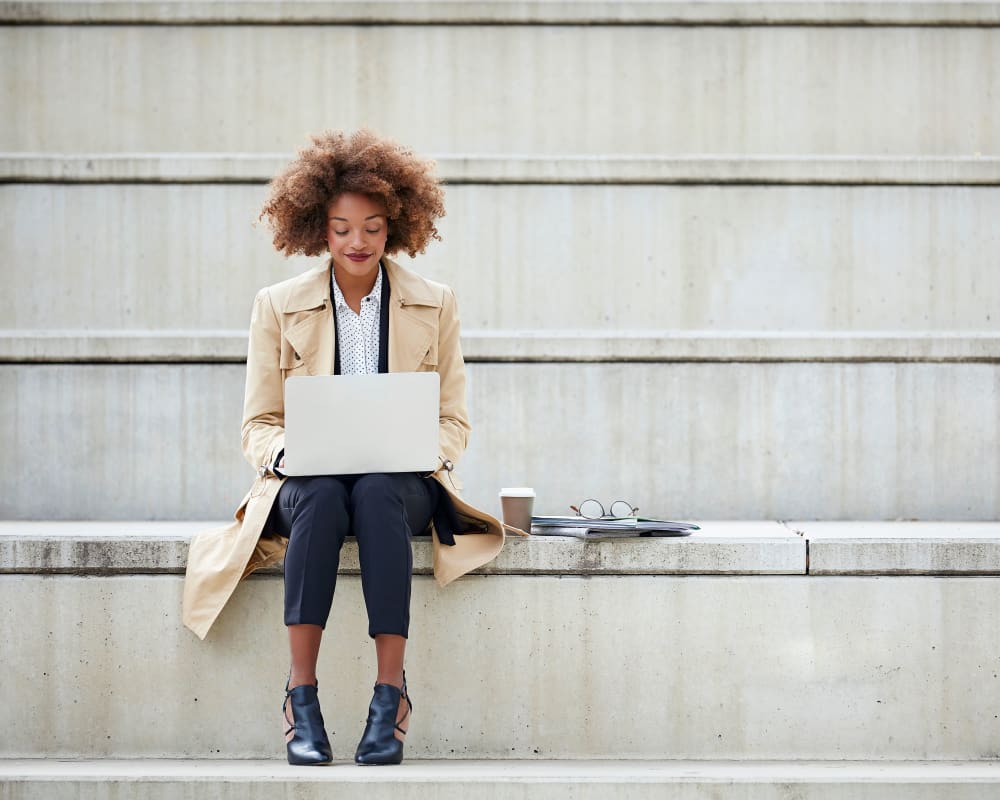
(355, 287)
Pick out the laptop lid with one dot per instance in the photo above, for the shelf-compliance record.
(354, 424)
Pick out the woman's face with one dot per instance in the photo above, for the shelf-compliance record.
(356, 230)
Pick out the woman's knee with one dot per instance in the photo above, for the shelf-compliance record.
(377, 488)
(322, 499)
(317, 489)
(379, 507)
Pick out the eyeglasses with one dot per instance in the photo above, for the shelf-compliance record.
(594, 509)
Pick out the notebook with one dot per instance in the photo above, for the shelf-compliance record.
(354, 424)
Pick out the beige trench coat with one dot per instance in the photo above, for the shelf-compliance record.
(291, 333)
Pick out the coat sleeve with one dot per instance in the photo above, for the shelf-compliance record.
(454, 417)
(264, 401)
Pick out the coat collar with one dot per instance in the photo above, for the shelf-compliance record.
(312, 290)
(408, 288)
(414, 311)
(414, 306)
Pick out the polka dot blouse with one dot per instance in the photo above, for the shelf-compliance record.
(358, 333)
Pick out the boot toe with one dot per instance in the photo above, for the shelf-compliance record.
(308, 756)
(380, 756)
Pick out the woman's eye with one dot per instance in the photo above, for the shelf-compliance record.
(341, 233)
(377, 230)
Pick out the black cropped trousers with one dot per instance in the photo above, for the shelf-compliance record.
(383, 511)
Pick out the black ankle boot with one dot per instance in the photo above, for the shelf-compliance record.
(310, 745)
(379, 744)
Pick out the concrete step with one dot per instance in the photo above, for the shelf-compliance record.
(745, 652)
(755, 440)
(510, 780)
(899, 548)
(730, 257)
(108, 547)
(782, 89)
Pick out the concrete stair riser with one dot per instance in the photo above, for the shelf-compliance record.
(603, 257)
(740, 441)
(627, 89)
(752, 667)
(578, 780)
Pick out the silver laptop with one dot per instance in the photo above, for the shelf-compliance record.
(353, 424)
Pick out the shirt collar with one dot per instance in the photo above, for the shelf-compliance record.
(374, 296)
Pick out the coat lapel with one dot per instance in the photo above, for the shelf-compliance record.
(414, 309)
(310, 334)
(312, 339)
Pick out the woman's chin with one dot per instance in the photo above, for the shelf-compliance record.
(356, 269)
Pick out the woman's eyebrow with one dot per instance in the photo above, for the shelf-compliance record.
(344, 219)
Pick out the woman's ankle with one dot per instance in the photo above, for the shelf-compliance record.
(391, 678)
(301, 679)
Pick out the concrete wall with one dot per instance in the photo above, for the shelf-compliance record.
(503, 89)
(873, 211)
(607, 258)
(764, 667)
(732, 440)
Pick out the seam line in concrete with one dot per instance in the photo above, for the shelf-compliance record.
(85, 573)
(524, 170)
(763, 13)
(98, 347)
(653, 181)
(210, 22)
(204, 362)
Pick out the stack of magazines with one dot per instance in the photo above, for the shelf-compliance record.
(609, 527)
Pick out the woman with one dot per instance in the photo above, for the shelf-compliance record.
(359, 198)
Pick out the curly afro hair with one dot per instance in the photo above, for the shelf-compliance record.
(365, 163)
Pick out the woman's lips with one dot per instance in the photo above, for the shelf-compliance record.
(359, 257)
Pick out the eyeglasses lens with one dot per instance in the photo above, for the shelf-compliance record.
(591, 509)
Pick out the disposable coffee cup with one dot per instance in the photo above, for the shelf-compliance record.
(516, 505)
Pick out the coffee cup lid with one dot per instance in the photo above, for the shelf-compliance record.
(518, 491)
